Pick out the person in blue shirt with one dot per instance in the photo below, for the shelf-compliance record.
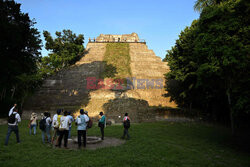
(82, 122)
(102, 123)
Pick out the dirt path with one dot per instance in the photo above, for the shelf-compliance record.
(107, 142)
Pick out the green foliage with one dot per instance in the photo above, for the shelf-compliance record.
(19, 53)
(210, 62)
(117, 60)
(201, 4)
(151, 145)
(66, 49)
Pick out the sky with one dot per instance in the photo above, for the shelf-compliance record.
(159, 22)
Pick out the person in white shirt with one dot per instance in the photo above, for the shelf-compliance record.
(14, 119)
(55, 124)
(64, 129)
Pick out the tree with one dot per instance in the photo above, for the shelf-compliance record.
(20, 46)
(182, 78)
(224, 32)
(210, 62)
(201, 4)
(66, 49)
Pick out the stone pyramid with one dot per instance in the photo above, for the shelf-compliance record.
(68, 88)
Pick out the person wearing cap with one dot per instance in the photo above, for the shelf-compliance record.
(81, 121)
(33, 123)
(102, 123)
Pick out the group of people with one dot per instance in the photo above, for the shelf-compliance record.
(61, 124)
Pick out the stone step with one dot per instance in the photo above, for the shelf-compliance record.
(146, 63)
(146, 59)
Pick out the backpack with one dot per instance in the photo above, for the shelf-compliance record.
(127, 123)
(12, 118)
(90, 123)
(42, 124)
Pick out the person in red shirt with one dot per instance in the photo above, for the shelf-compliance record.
(126, 125)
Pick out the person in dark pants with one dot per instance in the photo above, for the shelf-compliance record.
(81, 122)
(71, 120)
(126, 125)
(64, 129)
(63, 134)
(14, 119)
(102, 123)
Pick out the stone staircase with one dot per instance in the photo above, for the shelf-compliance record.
(146, 65)
(144, 62)
(95, 52)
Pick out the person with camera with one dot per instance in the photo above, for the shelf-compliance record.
(13, 120)
(33, 123)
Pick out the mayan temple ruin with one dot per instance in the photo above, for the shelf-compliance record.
(138, 91)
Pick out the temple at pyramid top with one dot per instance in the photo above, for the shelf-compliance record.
(125, 38)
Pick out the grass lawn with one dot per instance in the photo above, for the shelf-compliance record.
(152, 144)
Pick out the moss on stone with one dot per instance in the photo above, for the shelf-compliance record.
(117, 61)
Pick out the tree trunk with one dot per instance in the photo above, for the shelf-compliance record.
(3, 94)
(231, 111)
(13, 92)
(190, 107)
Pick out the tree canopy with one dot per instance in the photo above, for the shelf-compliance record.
(66, 49)
(22, 68)
(201, 4)
(210, 62)
(20, 46)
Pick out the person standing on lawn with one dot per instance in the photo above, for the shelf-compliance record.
(82, 121)
(56, 124)
(46, 131)
(71, 120)
(64, 129)
(126, 125)
(102, 124)
(33, 123)
(13, 120)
